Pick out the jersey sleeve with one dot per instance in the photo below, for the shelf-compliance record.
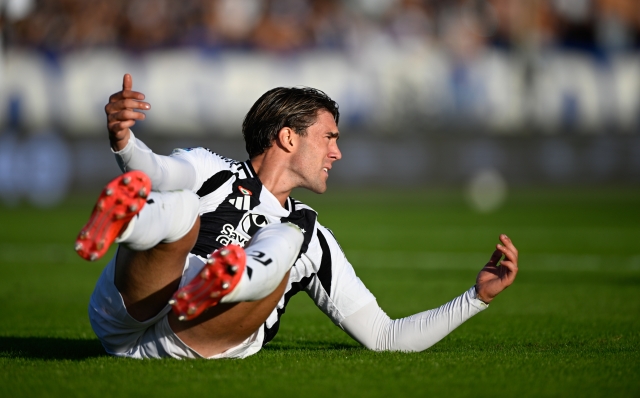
(183, 169)
(344, 298)
(204, 162)
(373, 328)
(335, 288)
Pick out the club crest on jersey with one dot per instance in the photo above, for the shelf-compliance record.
(244, 191)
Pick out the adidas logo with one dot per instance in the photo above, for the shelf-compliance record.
(242, 203)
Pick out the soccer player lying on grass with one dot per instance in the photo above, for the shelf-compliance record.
(182, 222)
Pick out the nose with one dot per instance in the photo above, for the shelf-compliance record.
(335, 152)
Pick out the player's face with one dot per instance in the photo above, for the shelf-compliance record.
(317, 151)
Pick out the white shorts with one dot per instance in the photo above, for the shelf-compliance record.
(121, 335)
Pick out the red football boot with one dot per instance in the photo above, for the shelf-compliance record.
(219, 276)
(118, 203)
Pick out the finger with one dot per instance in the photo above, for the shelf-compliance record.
(120, 95)
(127, 104)
(125, 114)
(508, 243)
(133, 94)
(127, 82)
(495, 257)
(510, 265)
(507, 252)
(121, 126)
(133, 104)
(512, 270)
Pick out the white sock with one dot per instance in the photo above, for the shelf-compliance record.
(270, 255)
(167, 217)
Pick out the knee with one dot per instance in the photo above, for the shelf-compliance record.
(288, 232)
(184, 245)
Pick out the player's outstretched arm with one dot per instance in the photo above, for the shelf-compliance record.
(122, 113)
(373, 328)
(498, 275)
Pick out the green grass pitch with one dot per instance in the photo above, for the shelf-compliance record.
(569, 326)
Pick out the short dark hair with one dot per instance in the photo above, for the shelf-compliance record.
(294, 107)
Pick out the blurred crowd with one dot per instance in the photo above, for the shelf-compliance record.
(286, 26)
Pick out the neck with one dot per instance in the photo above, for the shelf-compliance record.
(273, 174)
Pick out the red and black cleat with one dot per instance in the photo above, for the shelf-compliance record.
(118, 203)
(219, 276)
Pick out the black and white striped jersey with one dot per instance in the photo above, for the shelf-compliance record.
(234, 205)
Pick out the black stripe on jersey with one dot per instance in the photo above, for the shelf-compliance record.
(324, 272)
(248, 169)
(214, 182)
(334, 238)
(305, 219)
(296, 287)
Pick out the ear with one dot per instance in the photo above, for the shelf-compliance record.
(286, 139)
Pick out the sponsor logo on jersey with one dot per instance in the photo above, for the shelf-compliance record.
(229, 235)
(249, 225)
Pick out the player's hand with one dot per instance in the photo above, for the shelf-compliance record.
(122, 113)
(498, 275)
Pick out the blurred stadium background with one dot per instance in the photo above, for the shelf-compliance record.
(537, 99)
(432, 92)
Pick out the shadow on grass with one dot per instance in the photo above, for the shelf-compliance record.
(310, 346)
(50, 348)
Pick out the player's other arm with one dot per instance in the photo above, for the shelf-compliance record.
(375, 330)
(123, 110)
(122, 113)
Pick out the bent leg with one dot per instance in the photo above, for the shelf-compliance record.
(149, 266)
(153, 250)
(226, 325)
(270, 255)
(147, 279)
